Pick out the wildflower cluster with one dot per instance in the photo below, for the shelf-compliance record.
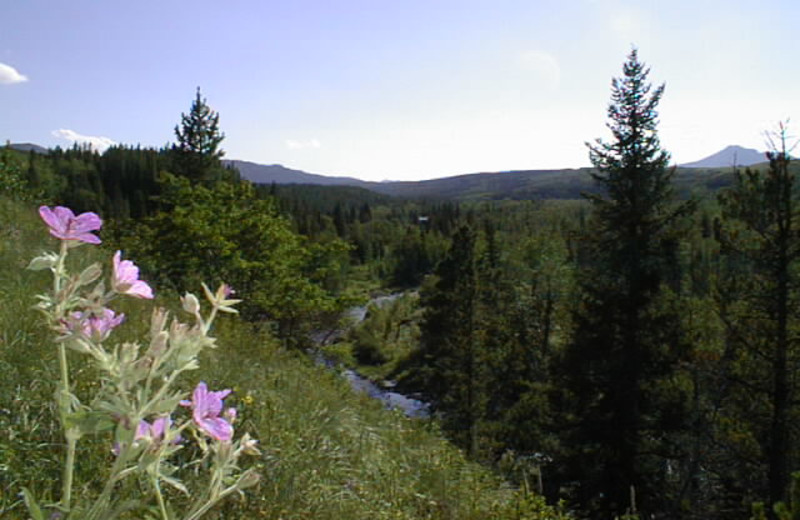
(137, 404)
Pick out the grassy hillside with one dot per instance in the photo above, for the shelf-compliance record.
(327, 453)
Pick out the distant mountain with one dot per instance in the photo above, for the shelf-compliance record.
(728, 157)
(559, 184)
(27, 147)
(513, 185)
(267, 174)
(540, 185)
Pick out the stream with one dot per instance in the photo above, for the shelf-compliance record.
(410, 407)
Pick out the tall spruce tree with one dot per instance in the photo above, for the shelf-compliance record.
(449, 366)
(760, 240)
(197, 154)
(627, 338)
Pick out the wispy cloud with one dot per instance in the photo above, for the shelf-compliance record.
(293, 144)
(9, 75)
(543, 65)
(98, 143)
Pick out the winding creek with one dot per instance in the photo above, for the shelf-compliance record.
(382, 391)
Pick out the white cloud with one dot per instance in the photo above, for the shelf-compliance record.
(299, 145)
(543, 65)
(9, 75)
(97, 143)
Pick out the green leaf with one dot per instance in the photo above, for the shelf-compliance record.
(175, 483)
(46, 261)
(30, 503)
(90, 421)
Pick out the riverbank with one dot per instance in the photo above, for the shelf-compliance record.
(332, 351)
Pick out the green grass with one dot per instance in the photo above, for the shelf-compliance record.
(327, 453)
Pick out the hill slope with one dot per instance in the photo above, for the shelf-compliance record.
(267, 174)
(327, 452)
(27, 147)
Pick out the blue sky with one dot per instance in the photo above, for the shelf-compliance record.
(395, 90)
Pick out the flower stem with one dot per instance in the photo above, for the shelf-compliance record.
(66, 493)
(207, 324)
(65, 399)
(100, 508)
(161, 505)
(211, 502)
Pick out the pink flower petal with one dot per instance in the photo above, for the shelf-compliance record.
(125, 278)
(217, 427)
(143, 430)
(206, 407)
(86, 222)
(140, 289)
(65, 225)
(50, 218)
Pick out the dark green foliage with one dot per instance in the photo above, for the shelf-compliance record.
(487, 336)
(413, 258)
(450, 364)
(783, 510)
(13, 183)
(761, 290)
(197, 155)
(628, 338)
(119, 184)
(226, 233)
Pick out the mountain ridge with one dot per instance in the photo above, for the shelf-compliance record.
(729, 156)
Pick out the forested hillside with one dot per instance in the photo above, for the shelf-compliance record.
(513, 185)
(622, 338)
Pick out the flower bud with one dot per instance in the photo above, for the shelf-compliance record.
(248, 479)
(190, 303)
(90, 274)
(248, 445)
(158, 344)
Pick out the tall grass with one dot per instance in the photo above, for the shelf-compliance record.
(327, 453)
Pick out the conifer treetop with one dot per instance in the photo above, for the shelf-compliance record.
(199, 130)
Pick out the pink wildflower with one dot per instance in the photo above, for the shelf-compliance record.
(125, 279)
(65, 225)
(206, 407)
(98, 327)
(155, 431)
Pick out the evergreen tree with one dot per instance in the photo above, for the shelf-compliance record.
(197, 154)
(627, 339)
(448, 367)
(759, 238)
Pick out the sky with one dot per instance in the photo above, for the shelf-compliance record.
(395, 90)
